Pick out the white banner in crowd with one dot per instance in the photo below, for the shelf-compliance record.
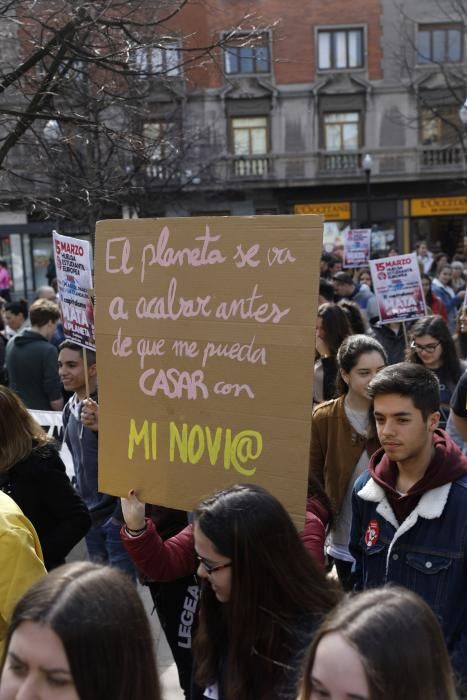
(398, 288)
(74, 280)
(357, 244)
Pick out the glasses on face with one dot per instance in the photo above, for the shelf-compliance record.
(211, 569)
(430, 347)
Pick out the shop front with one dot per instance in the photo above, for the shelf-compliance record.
(441, 222)
(337, 218)
(27, 249)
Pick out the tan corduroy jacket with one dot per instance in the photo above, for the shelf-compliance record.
(335, 449)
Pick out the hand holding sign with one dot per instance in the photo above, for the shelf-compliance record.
(133, 511)
(90, 414)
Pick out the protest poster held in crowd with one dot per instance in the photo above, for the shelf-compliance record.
(398, 288)
(357, 246)
(74, 282)
(205, 347)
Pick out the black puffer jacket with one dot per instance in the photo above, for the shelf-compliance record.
(40, 486)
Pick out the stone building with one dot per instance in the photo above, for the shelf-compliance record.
(349, 109)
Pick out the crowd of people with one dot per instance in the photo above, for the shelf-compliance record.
(366, 602)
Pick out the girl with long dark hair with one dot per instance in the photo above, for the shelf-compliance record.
(80, 633)
(434, 303)
(343, 439)
(382, 644)
(432, 346)
(262, 593)
(332, 326)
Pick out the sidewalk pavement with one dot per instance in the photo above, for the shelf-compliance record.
(165, 663)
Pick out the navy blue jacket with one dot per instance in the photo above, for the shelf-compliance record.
(427, 553)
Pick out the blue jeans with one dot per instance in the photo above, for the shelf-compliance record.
(105, 547)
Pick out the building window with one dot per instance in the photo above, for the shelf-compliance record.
(162, 59)
(247, 55)
(439, 43)
(439, 127)
(340, 48)
(342, 131)
(158, 148)
(250, 138)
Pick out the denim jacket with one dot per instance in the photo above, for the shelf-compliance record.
(427, 553)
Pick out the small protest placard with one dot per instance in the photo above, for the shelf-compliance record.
(357, 245)
(398, 288)
(205, 350)
(74, 281)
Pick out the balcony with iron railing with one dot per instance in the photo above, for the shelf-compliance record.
(251, 167)
(442, 157)
(403, 163)
(332, 162)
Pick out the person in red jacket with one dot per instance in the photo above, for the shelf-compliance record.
(162, 561)
(433, 302)
(262, 594)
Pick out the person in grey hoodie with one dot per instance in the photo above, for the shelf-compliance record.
(80, 422)
(32, 362)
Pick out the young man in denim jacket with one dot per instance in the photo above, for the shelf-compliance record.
(409, 524)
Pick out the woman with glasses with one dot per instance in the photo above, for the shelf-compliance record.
(262, 594)
(432, 345)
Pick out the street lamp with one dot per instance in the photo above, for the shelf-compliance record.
(463, 113)
(367, 164)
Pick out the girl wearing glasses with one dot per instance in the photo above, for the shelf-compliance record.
(343, 439)
(262, 594)
(432, 345)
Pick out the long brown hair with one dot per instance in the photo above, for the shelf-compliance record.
(438, 328)
(98, 615)
(399, 641)
(275, 585)
(19, 432)
(336, 325)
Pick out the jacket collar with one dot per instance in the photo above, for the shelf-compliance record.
(430, 505)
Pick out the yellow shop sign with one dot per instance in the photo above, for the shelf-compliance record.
(332, 211)
(438, 206)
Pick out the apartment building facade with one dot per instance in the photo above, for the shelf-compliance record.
(293, 98)
(295, 112)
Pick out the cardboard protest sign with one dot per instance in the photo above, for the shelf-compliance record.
(398, 288)
(205, 350)
(357, 244)
(74, 280)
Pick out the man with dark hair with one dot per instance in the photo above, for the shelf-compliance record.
(409, 524)
(31, 360)
(334, 266)
(326, 291)
(326, 258)
(346, 288)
